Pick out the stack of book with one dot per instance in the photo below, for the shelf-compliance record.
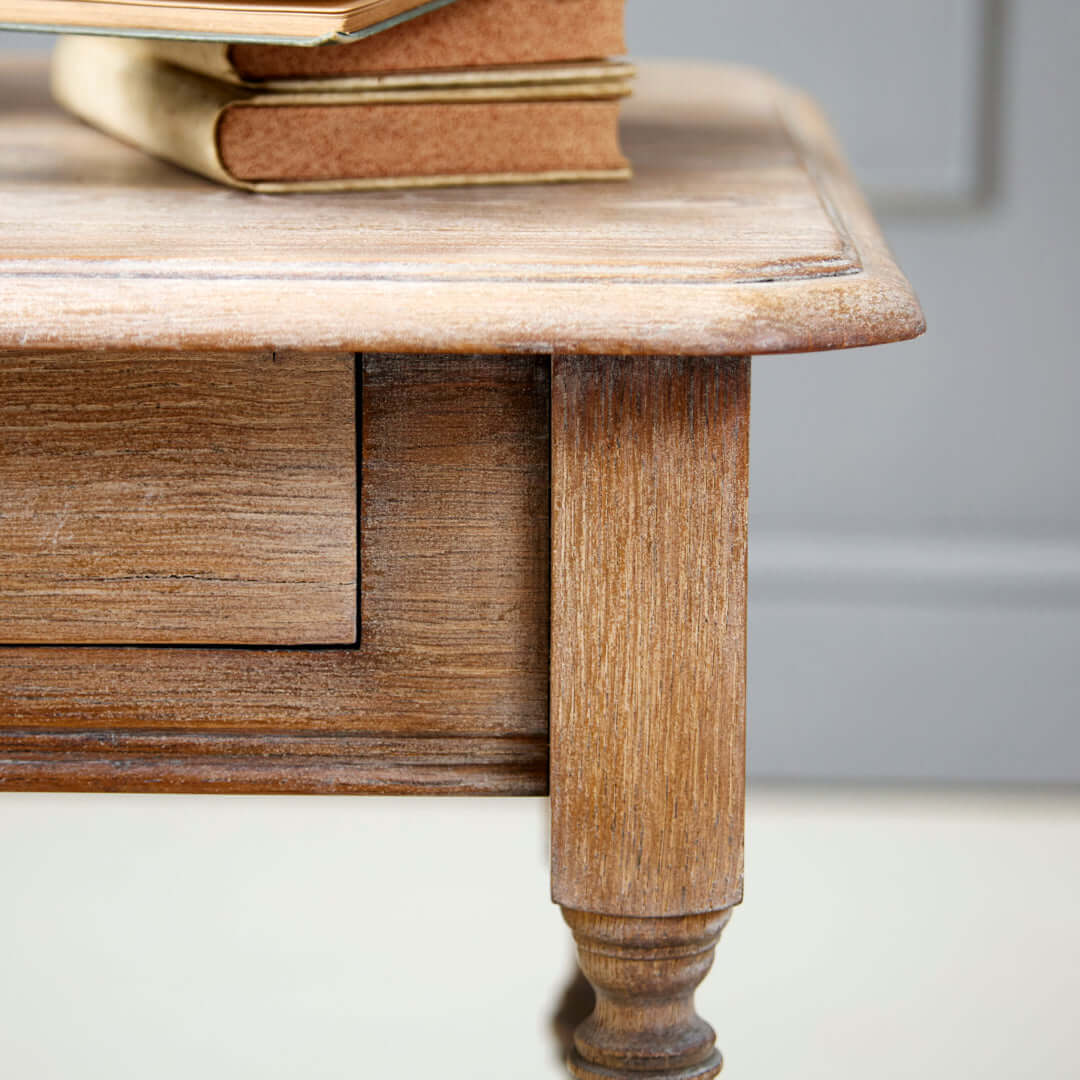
(458, 92)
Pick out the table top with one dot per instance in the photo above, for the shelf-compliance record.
(742, 233)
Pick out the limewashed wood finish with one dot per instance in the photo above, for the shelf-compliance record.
(206, 499)
(648, 678)
(554, 419)
(738, 183)
(648, 632)
(644, 973)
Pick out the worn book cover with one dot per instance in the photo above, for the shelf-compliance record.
(468, 33)
(438, 134)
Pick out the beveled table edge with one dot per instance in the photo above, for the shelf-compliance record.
(132, 309)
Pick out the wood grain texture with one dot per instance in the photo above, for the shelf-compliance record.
(447, 691)
(741, 234)
(648, 663)
(260, 763)
(644, 972)
(205, 499)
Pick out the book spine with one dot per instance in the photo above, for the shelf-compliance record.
(172, 114)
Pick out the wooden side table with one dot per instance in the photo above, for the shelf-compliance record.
(434, 492)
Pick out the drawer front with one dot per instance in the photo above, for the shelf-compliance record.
(170, 500)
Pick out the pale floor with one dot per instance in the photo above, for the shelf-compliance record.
(895, 934)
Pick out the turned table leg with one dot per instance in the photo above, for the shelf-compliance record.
(648, 666)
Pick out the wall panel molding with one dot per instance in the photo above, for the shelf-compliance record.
(935, 570)
(911, 88)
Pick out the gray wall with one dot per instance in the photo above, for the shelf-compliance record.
(915, 551)
(916, 520)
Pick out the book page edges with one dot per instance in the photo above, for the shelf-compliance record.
(394, 183)
(450, 95)
(210, 23)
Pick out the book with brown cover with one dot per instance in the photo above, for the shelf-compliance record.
(423, 136)
(468, 33)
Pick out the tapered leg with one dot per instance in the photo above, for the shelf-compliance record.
(649, 484)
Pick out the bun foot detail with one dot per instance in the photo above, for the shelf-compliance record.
(645, 972)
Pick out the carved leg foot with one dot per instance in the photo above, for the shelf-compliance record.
(645, 972)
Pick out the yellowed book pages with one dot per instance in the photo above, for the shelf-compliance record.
(423, 136)
(283, 22)
(472, 34)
